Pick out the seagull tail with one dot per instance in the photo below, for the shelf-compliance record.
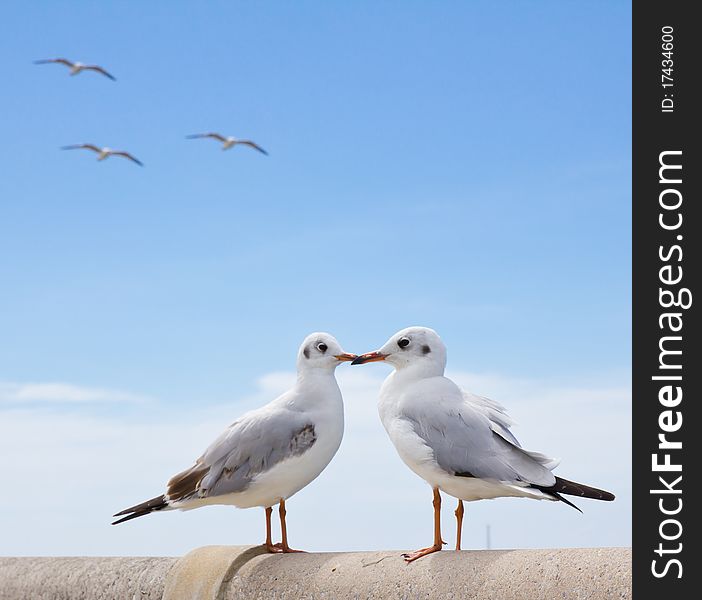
(145, 508)
(571, 488)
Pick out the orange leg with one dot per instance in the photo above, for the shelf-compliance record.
(269, 540)
(283, 546)
(459, 524)
(438, 542)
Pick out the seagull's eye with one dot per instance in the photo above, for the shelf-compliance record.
(322, 347)
(403, 342)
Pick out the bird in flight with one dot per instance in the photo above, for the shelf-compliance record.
(75, 67)
(227, 142)
(268, 454)
(103, 153)
(459, 443)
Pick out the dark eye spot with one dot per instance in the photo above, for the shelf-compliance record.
(426, 349)
(306, 352)
(322, 347)
(403, 342)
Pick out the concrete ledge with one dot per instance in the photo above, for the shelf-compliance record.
(88, 578)
(238, 572)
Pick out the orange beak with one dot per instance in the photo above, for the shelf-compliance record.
(368, 357)
(345, 357)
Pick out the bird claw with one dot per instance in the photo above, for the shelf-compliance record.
(280, 549)
(412, 556)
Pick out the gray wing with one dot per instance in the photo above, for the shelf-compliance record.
(254, 146)
(129, 156)
(100, 70)
(500, 421)
(251, 445)
(214, 136)
(465, 443)
(47, 61)
(92, 147)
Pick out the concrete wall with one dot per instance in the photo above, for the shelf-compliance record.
(234, 572)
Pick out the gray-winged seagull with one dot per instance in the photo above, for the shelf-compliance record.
(103, 153)
(269, 454)
(75, 67)
(457, 442)
(227, 142)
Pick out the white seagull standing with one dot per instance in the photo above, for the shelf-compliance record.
(457, 442)
(269, 454)
(103, 153)
(227, 142)
(75, 67)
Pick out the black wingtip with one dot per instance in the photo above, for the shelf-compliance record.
(129, 517)
(568, 502)
(145, 508)
(564, 486)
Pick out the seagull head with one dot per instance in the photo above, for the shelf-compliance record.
(413, 346)
(321, 351)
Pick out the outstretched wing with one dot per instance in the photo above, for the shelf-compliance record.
(46, 61)
(250, 446)
(100, 70)
(253, 145)
(92, 147)
(214, 136)
(463, 439)
(129, 156)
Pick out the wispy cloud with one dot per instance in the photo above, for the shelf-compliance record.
(59, 393)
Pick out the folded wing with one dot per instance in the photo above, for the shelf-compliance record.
(250, 446)
(470, 437)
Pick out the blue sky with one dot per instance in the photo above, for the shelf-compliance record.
(464, 166)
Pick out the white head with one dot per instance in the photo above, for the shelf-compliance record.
(321, 351)
(418, 347)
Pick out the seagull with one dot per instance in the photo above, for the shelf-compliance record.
(459, 443)
(75, 67)
(269, 454)
(227, 142)
(103, 153)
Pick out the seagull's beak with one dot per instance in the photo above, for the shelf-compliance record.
(368, 357)
(345, 357)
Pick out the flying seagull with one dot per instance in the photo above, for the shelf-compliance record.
(227, 142)
(75, 67)
(457, 442)
(103, 153)
(269, 454)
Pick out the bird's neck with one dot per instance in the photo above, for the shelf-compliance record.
(422, 369)
(315, 376)
(317, 388)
